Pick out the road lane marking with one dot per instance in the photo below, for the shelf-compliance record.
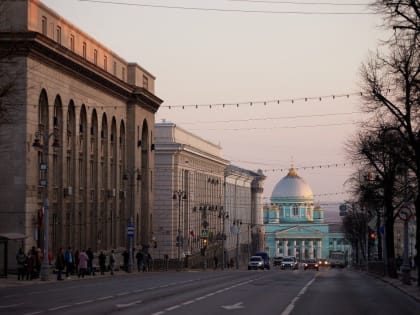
(233, 306)
(33, 313)
(291, 306)
(158, 313)
(188, 302)
(10, 305)
(172, 308)
(128, 304)
(105, 298)
(123, 293)
(59, 307)
(84, 302)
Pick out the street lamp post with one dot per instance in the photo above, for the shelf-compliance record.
(237, 223)
(44, 147)
(179, 195)
(130, 225)
(224, 215)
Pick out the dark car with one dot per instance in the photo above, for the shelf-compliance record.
(323, 262)
(311, 264)
(266, 259)
(277, 260)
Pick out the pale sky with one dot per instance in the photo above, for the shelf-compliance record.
(212, 57)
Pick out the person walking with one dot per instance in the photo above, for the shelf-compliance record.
(90, 269)
(21, 264)
(83, 263)
(69, 259)
(60, 264)
(102, 262)
(140, 260)
(112, 261)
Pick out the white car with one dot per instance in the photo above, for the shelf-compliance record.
(289, 263)
(256, 262)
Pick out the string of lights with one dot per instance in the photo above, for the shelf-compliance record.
(121, 3)
(264, 102)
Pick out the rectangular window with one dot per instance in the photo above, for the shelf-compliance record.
(44, 25)
(72, 42)
(59, 34)
(145, 82)
(115, 68)
(105, 63)
(95, 56)
(84, 49)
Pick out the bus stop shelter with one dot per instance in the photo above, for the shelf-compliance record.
(5, 238)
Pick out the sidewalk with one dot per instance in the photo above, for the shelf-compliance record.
(412, 290)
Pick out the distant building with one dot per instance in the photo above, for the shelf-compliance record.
(78, 134)
(202, 204)
(294, 226)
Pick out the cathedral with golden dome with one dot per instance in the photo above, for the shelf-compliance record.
(294, 225)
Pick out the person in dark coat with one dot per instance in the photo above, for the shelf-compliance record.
(102, 262)
(21, 261)
(60, 264)
(90, 270)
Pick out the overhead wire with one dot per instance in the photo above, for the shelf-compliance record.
(226, 10)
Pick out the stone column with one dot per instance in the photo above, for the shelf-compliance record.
(302, 249)
(335, 244)
(294, 248)
(319, 249)
(311, 249)
(285, 249)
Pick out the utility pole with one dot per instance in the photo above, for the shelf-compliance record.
(179, 195)
(43, 167)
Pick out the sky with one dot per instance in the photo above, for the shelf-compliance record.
(218, 52)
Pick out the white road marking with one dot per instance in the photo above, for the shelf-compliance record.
(138, 291)
(123, 293)
(172, 308)
(128, 304)
(188, 302)
(84, 302)
(290, 307)
(105, 298)
(233, 306)
(33, 313)
(10, 305)
(58, 307)
(158, 313)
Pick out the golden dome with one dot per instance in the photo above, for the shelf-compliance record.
(292, 172)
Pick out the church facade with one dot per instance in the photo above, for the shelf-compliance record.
(294, 225)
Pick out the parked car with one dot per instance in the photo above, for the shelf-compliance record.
(311, 264)
(277, 260)
(289, 263)
(266, 259)
(256, 262)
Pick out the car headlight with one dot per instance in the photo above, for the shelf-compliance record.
(316, 265)
(306, 265)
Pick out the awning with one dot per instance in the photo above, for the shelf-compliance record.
(12, 236)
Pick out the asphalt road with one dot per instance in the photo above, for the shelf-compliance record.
(279, 292)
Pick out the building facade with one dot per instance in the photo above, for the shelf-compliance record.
(76, 144)
(202, 204)
(294, 226)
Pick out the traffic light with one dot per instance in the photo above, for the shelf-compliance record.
(372, 235)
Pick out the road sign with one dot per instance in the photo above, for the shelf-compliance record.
(130, 230)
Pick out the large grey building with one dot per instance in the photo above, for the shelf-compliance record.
(202, 202)
(77, 132)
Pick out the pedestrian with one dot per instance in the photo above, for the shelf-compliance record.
(83, 263)
(32, 257)
(126, 257)
(21, 260)
(140, 260)
(90, 269)
(60, 264)
(216, 261)
(112, 261)
(231, 263)
(102, 262)
(38, 262)
(76, 261)
(69, 259)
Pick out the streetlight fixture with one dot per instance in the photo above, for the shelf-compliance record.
(131, 174)
(179, 195)
(43, 167)
(223, 214)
